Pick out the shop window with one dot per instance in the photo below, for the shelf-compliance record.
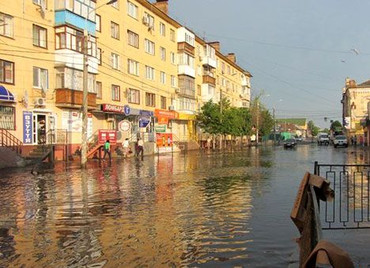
(7, 117)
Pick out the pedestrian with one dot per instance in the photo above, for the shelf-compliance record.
(355, 140)
(107, 151)
(209, 143)
(140, 148)
(126, 147)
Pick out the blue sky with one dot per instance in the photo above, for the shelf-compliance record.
(298, 51)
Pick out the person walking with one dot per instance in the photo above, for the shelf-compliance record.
(107, 151)
(140, 148)
(126, 147)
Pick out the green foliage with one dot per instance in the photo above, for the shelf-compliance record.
(314, 129)
(336, 126)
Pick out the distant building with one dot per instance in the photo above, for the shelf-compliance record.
(295, 126)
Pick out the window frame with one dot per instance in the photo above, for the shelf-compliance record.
(3, 71)
(116, 92)
(135, 64)
(132, 36)
(163, 102)
(135, 93)
(150, 99)
(37, 42)
(40, 71)
(115, 58)
(149, 47)
(98, 23)
(6, 18)
(149, 73)
(114, 30)
(14, 117)
(99, 90)
(162, 29)
(135, 7)
(163, 53)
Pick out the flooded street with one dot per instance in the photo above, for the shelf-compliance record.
(201, 209)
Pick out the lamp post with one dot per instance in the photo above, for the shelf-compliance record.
(85, 89)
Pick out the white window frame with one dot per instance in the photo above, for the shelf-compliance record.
(162, 29)
(114, 28)
(149, 73)
(115, 61)
(132, 10)
(163, 77)
(173, 81)
(98, 23)
(150, 20)
(133, 67)
(162, 51)
(40, 78)
(6, 25)
(133, 39)
(173, 57)
(42, 34)
(149, 47)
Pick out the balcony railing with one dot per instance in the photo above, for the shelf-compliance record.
(185, 47)
(207, 79)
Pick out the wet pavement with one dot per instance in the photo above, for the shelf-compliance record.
(201, 209)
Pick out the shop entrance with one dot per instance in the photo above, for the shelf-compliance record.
(43, 128)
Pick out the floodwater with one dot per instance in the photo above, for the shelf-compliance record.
(201, 209)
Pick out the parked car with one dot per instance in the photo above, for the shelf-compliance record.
(298, 139)
(340, 140)
(323, 139)
(290, 143)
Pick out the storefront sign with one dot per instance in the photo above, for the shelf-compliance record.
(27, 127)
(347, 122)
(146, 113)
(112, 108)
(163, 116)
(187, 116)
(107, 134)
(124, 126)
(126, 109)
(164, 139)
(72, 122)
(160, 128)
(144, 121)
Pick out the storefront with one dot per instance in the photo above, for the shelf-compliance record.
(142, 123)
(184, 127)
(163, 127)
(7, 110)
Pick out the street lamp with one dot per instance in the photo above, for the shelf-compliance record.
(85, 89)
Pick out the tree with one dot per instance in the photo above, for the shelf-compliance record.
(336, 126)
(313, 129)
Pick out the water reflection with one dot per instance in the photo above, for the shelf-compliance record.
(204, 209)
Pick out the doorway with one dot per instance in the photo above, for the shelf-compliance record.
(43, 128)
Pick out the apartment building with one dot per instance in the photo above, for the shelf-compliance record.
(141, 66)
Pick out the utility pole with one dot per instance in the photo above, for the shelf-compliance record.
(273, 116)
(85, 88)
(257, 121)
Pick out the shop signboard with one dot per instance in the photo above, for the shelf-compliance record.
(113, 108)
(164, 139)
(163, 116)
(124, 126)
(188, 117)
(107, 134)
(160, 128)
(126, 110)
(144, 121)
(72, 122)
(146, 113)
(27, 127)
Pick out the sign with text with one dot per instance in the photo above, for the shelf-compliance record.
(107, 134)
(124, 126)
(72, 122)
(144, 121)
(113, 108)
(27, 127)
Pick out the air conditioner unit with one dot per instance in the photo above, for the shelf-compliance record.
(40, 102)
(177, 90)
(171, 108)
(146, 20)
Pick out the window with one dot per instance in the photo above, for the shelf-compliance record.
(173, 59)
(162, 29)
(187, 86)
(228, 69)
(6, 72)
(163, 102)
(186, 59)
(148, 20)
(115, 61)
(115, 4)
(85, 9)
(40, 78)
(163, 77)
(116, 93)
(133, 39)
(73, 79)
(189, 39)
(163, 53)
(114, 30)
(39, 36)
(131, 10)
(98, 23)
(173, 81)
(68, 38)
(7, 117)
(150, 99)
(41, 3)
(172, 35)
(99, 90)
(149, 72)
(6, 25)
(99, 55)
(133, 96)
(133, 67)
(149, 47)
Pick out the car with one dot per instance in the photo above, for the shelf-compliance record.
(298, 139)
(290, 143)
(323, 139)
(340, 140)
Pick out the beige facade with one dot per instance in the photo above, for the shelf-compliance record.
(143, 67)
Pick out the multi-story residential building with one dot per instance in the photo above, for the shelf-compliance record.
(142, 67)
(355, 101)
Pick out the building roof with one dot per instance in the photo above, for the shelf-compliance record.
(365, 84)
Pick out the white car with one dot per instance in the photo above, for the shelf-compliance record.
(323, 139)
(340, 140)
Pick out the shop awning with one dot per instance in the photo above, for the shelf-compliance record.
(6, 95)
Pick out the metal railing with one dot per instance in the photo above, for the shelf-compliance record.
(350, 207)
(10, 141)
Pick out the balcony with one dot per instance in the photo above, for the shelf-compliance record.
(208, 61)
(207, 79)
(73, 98)
(185, 47)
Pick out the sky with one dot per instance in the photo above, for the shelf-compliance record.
(299, 51)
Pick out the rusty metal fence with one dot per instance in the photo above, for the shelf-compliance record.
(350, 207)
